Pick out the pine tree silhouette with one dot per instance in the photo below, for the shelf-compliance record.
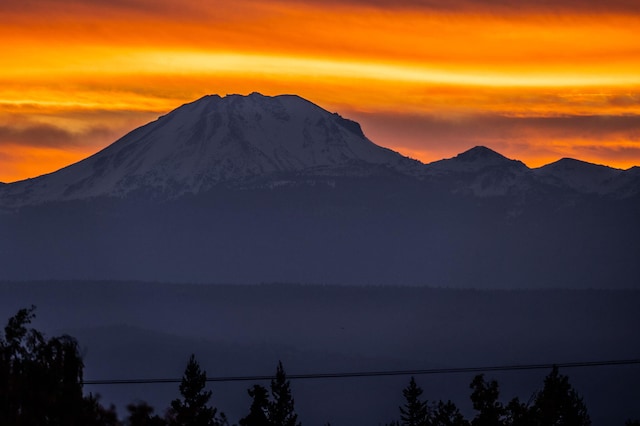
(281, 409)
(558, 404)
(414, 412)
(193, 408)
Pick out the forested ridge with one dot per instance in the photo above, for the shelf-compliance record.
(41, 383)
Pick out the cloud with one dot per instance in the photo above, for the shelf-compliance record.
(198, 9)
(49, 136)
(478, 127)
(32, 149)
(101, 9)
(490, 6)
(74, 6)
(38, 135)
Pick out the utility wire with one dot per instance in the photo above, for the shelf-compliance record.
(376, 373)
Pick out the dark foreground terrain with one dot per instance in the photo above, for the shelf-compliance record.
(148, 330)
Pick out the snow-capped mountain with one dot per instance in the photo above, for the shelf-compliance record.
(481, 172)
(256, 140)
(476, 159)
(581, 176)
(212, 140)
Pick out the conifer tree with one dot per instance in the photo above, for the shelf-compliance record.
(414, 412)
(193, 408)
(281, 409)
(558, 404)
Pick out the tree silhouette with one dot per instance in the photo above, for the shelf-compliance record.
(259, 411)
(485, 401)
(94, 414)
(558, 404)
(41, 379)
(41, 384)
(414, 412)
(192, 409)
(281, 409)
(447, 414)
(518, 414)
(141, 414)
(276, 409)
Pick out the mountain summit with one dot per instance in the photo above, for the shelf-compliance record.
(581, 176)
(218, 139)
(473, 160)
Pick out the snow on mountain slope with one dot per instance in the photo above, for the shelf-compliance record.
(629, 183)
(212, 140)
(580, 176)
(474, 160)
(482, 172)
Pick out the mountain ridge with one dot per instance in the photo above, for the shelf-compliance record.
(280, 140)
(580, 175)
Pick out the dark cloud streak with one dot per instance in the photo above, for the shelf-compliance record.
(491, 6)
(594, 136)
(597, 127)
(163, 8)
(48, 136)
(193, 8)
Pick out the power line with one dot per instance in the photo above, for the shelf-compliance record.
(376, 373)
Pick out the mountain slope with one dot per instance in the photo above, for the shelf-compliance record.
(476, 159)
(580, 176)
(481, 172)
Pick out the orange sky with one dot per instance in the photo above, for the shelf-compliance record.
(534, 82)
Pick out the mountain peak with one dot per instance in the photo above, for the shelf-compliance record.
(568, 164)
(473, 160)
(480, 153)
(580, 175)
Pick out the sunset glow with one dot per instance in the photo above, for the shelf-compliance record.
(533, 83)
